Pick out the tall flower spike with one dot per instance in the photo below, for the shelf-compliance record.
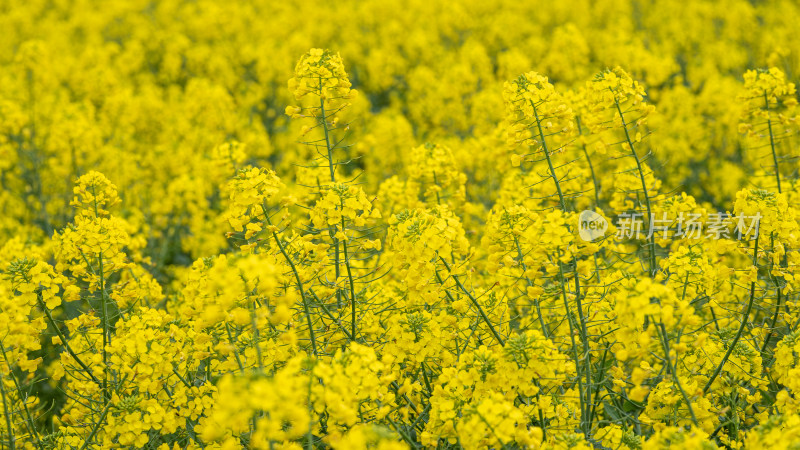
(613, 87)
(616, 105)
(94, 193)
(249, 190)
(769, 84)
(322, 87)
(769, 111)
(320, 73)
(534, 109)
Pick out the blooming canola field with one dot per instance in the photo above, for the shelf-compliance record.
(399, 225)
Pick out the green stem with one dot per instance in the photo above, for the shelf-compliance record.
(595, 402)
(549, 162)
(779, 282)
(65, 342)
(772, 143)
(256, 335)
(774, 322)
(352, 294)
(96, 427)
(586, 352)
(673, 370)
(323, 120)
(644, 187)
(577, 359)
(7, 414)
(536, 302)
(30, 424)
(299, 284)
(235, 353)
(745, 316)
(324, 123)
(352, 283)
(474, 302)
(591, 167)
(106, 336)
(328, 312)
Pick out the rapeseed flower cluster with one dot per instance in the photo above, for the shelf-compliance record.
(349, 225)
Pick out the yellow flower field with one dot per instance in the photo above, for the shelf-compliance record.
(395, 225)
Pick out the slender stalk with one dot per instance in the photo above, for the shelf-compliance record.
(256, 336)
(352, 287)
(7, 414)
(591, 166)
(106, 335)
(299, 283)
(104, 308)
(673, 369)
(542, 425)
(779, 282)
(65, 342)
(96, 427)
(549, 161)
(745, 316)
(774, 322)
(235, 353)
(582, 329)
(328, 312)
(29, 419)
(323, 121)
(536, 302)
(586, 351)
(402, 433)
(574, 352)
(772, 143)
(474, 302)
(595, 402)
(644, 188)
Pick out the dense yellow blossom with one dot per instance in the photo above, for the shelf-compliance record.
(469, 224)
